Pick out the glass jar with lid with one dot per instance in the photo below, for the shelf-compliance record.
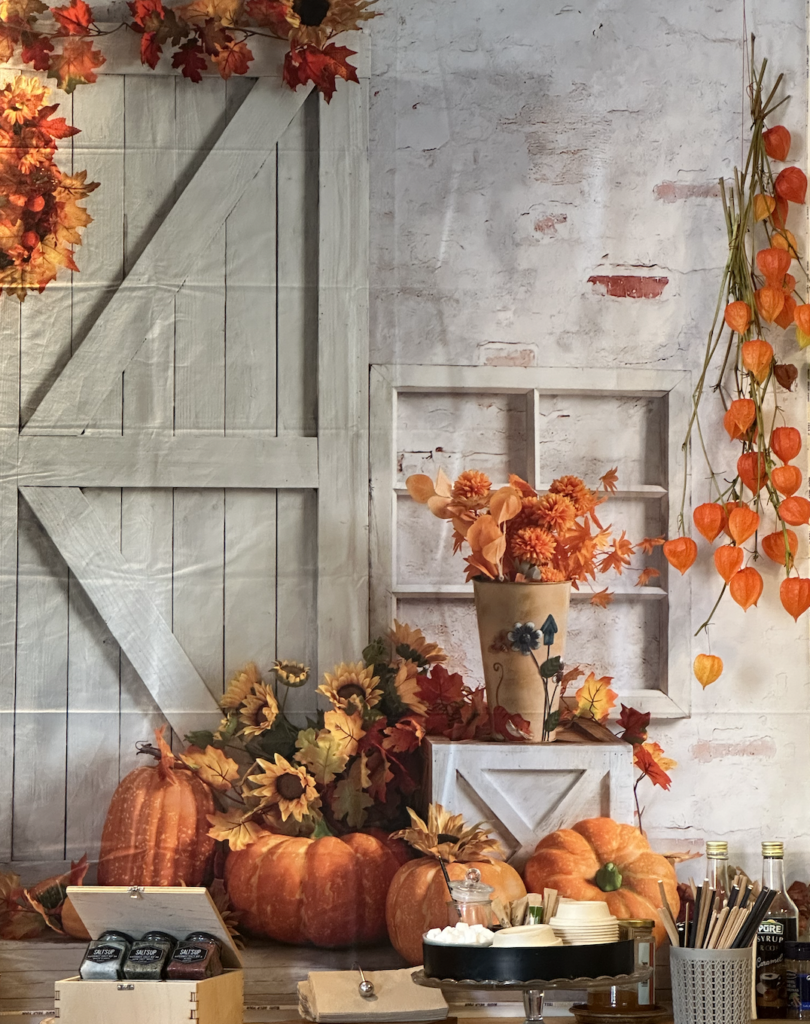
(471, 902)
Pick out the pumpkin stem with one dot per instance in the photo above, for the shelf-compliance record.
(167, 759)
(609, 878)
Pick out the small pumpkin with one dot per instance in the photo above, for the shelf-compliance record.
(156, 831)
(602, 859)
(417, 899)
(327, 892)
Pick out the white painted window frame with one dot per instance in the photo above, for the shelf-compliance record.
(673, 700)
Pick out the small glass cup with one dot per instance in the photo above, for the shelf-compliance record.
(471, 902)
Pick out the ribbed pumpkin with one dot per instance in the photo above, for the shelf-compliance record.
(417, 899)
(156, 832)
(601, 859)
(327, 892)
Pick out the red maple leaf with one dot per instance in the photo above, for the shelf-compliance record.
(474, 721)
(635, 725)
(55, 127)
(440, 687)
(322, 67)
(270, 14)
(150, 49)
(405, 735)
(437, 722)
(76, 64)
(232, 59)
(75, 19)
(510, 727)
(142, 10)
(648, 766)
(191, 59)
(37, 50)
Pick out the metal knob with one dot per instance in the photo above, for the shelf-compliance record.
(365, 988)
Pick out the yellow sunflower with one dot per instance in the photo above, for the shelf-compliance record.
(291, 673)
(406, 683)
(350, 685)
(240, 687)
(413, 640)
(291, 788)
(314, 22)
(258, 711)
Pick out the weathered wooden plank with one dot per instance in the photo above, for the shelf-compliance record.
(343, 377)
(146, 297)
(41, 696)
(156, 459)
(383, 534)
(121, 596)
(9, 427)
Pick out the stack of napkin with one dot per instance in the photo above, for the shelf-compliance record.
(333, 997)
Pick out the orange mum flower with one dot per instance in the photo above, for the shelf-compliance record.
(552, 575)
(575, 490)
(534, 545)
(472, 489)
(557, 512)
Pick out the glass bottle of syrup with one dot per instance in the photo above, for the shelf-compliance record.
(780, 925)
(717, 868)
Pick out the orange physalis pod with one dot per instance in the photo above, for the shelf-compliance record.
(709, 520)
(742, 524)
(795, 511)
(738, 316)
(802, 317)
(728, 560)
(745, 587)
(777, 142)
(786, 479)
(728, 508)
(770, 302)
(795, 595)
(786, 443)
(773, 264)
(791, 184)
(763, 206)
(741, 414)
(785, 239)
(780, 214)
(751, 470)
(757, 356)
(773, 544)
(708, 668)
(680, 553)
(788, 284)
(785, 318)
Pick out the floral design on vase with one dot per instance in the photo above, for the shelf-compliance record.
(526, 638)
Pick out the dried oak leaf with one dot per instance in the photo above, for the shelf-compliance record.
(322, 67)
(380, 774)
(74, 20)
(405, 735)
(191, 59)
(323, 753)
(348, 729)
(235, 828)
(232, 58)
(76, 64)
(213, 766)
(349, 800)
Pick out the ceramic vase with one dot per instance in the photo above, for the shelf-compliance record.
(521, 626)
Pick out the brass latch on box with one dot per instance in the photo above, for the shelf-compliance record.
(126, 988)
(136, 891)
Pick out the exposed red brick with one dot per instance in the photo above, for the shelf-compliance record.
(672, 191)
(706, 751)
(628, 286)
(520, 357)
(548, 225)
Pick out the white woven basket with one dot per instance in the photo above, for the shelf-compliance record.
(711, 986)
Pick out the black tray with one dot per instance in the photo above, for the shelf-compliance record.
(522, 964)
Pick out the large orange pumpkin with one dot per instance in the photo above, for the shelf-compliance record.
(601, 859)
(417, 899)
(156, 832)
(329, 892)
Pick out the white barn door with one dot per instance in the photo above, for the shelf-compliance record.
(183, 434)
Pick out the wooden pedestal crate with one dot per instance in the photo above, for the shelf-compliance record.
(176, 911)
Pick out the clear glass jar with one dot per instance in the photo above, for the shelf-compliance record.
(797, 975)
(105, 956)
(471, 902)
(197, 957)
(641, 931)
(148, 957)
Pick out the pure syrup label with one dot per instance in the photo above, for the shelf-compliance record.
(190, 954)
(103, 954)
(770, 981)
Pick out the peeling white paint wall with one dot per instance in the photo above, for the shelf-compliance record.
(520, 149)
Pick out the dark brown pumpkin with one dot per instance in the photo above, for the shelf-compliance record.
(156, 832)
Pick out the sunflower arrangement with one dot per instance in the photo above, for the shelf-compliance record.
(354, 765)
(515, 533)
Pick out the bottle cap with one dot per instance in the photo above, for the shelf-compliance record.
(638, 923)
(773, 849)
(717, 848)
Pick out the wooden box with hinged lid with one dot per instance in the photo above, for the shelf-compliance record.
(178, 911)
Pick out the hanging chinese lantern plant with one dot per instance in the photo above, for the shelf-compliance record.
(758, 295)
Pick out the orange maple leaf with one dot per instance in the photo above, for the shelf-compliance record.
(233, 59)
(595, 698)
(602, 598)
(610, 478)
(649, 767)
(649, 544)
(310, 64)
(74, 20)
(76, 64)
(666, 764)
(646, 575)
(619, 557)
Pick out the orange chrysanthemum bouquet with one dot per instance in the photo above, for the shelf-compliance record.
(515, 534)
(752, 511)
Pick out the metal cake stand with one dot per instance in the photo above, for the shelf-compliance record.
(534, 992)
